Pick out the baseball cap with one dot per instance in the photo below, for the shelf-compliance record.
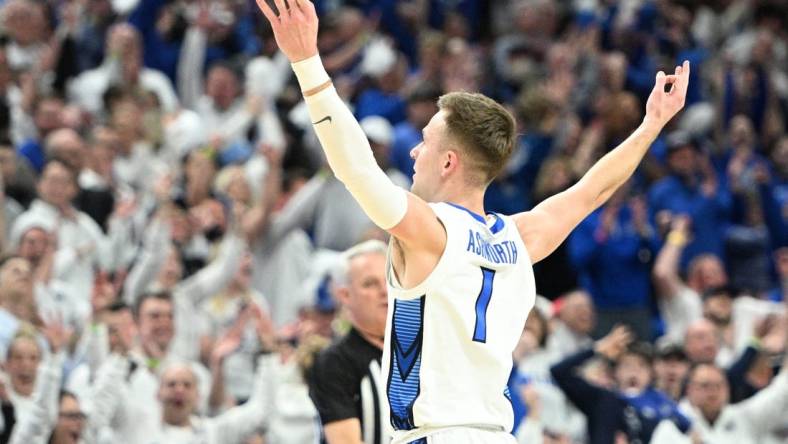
(679, 139)
(377, 129)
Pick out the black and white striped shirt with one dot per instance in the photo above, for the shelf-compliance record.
(346, 382)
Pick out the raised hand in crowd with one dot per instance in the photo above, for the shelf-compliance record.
(771, 333)
(615, 343)
(57, 334)
(263, 326)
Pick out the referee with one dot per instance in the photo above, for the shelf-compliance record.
(345, 382)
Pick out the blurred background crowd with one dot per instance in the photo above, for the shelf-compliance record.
(171, 233)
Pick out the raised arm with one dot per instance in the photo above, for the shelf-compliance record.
(191, 61)
(666, 267)
(105, 394)
(215, 276)
(153, 255)
(239, 422)
(759, 409)
(549, 223)
(347, 149)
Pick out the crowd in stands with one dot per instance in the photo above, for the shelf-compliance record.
(171, 234)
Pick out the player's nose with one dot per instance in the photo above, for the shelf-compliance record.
(414, 152)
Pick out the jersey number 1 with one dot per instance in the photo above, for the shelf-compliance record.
(482, 302)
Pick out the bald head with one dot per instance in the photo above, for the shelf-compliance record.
(178, 393)
(67, 145)
(577, 312)
(701, 342)
(706, 271)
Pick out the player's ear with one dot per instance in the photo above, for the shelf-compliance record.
(450, 161)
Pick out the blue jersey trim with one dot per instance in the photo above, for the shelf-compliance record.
(404, 384)
(497, 226)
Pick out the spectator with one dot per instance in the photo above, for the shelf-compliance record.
(47, 116)
(162, 27)
(753, 370)
(633, 407)
(387, 70)
(178, 394)
(718, 421)
(17, 301)
(775, 196)
(612, 250)
(380, 134)
(89, 40)
(575, 319)
(76, 419)
(7, 419)
(780, 292)
(555, 275)
(133, 164)
(532, 383)
(66, 145)
(18, 181)
(680, 304)
(693, 189)
(26, 25)
(80, 239)
(702, 343)
(122, 66)
(222, 311)
(670, 370)
(344, 382)
(34, 377)
(679, 301)
(407, 134)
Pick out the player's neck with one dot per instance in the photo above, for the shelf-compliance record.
(470, 199)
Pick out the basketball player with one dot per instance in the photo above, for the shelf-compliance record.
(460, 283)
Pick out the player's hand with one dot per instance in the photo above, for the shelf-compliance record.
(662, 106)
(295, 27)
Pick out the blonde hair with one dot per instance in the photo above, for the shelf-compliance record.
(483, 128)
(24, 332)
(307, 352)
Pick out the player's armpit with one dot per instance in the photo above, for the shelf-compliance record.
(420, 230)
(549, 223)
(346, 431)
(421, 240)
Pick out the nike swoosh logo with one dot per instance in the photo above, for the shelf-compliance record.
(322, 120)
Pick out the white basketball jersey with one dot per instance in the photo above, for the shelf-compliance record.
(449, 341)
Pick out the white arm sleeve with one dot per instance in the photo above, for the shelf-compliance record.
(348, 151)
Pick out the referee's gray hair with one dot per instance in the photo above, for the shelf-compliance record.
(339, 273)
